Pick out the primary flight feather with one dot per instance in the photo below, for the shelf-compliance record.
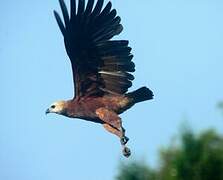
(101, 67)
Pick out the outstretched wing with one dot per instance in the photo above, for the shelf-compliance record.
(100, 65)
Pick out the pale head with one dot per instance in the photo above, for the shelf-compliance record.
(58, 107)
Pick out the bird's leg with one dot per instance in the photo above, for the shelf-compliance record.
(111, 118)
(125, 150)
(113, 124)
(113, 130)
(124, 139)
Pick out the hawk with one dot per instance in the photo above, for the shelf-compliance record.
(102, 68)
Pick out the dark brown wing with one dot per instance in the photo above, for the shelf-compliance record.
(100, 65)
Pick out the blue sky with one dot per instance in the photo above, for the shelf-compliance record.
(177, 47)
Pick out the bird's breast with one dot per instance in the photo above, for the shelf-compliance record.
(86, 107)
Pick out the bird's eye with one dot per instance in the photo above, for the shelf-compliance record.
(53, 106)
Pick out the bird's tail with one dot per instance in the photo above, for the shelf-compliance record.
(141, 94)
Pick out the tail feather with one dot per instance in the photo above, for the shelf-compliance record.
(141, 94)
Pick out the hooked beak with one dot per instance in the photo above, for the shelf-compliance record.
(47, 111)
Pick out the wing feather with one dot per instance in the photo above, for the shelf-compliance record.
(73, 8)
(59, 22)
(64, 12)
(89, 7)
(106, 10)
(101, 66)
(97, 8)
(81, 5)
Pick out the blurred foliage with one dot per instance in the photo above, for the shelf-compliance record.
(135, 171)
(194, 158)
(220, 105)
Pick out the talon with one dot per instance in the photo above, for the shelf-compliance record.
(124, 140)
(126, 151)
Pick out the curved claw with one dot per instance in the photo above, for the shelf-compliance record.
(124, 140)
(126, 151)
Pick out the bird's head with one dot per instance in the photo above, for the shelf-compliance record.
(58, 107)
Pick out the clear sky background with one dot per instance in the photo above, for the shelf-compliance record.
(178, 52)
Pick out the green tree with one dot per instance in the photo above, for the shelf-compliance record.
(195, 158)
(135, 171)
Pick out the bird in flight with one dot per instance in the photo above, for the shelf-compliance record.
(101, 67)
